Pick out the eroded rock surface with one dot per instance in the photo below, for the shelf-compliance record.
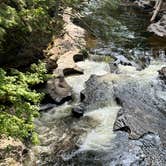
(11, 151)
(66, 50)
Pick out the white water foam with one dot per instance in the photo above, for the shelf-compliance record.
(100, 137)
(90, 67)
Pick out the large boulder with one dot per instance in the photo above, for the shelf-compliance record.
(142, 97)
(59, 90)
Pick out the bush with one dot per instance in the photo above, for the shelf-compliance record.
(19, 104)
(26, 27)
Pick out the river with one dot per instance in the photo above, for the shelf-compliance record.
(113, 32)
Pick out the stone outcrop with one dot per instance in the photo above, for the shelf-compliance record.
(158, 20)
(66, 50)
(143, 101)
(11, 151)
(61, 58)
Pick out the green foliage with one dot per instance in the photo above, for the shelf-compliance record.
(18, 102)
(26, 25)
(99, 20)
(27, 15)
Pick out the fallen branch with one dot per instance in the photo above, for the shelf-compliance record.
(156, 9)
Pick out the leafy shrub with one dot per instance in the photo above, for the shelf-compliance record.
(26, 27)
(19, 104)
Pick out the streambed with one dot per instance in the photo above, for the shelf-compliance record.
(125, 119)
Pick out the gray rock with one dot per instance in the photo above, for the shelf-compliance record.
(143, 110)
(142, 117)
(162, 74)
(78, 111)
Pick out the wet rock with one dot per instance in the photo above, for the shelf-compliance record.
(97, 93)
(123, 61)
(143, 152)
(144, 105)
(113, 67)
(159, 28)
(142, 119)
(124, 152)
(78, 111)
(59, 90)
(146, 5)
(11, 151)
(143, 101)
(162, 73)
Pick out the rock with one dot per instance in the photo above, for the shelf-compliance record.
(66, 64)
(146, 5)
(11, 151)
(78, 111)
(143, 108)
(61, 57)
(142, 152)
(142, 116)
(159, 28)
(162, 73)
(123, 61)
(66, 50)
(113, 67)
(124, 152)
(59, 90)
(143, 102)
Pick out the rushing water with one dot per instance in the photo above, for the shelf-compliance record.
(68, 141)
